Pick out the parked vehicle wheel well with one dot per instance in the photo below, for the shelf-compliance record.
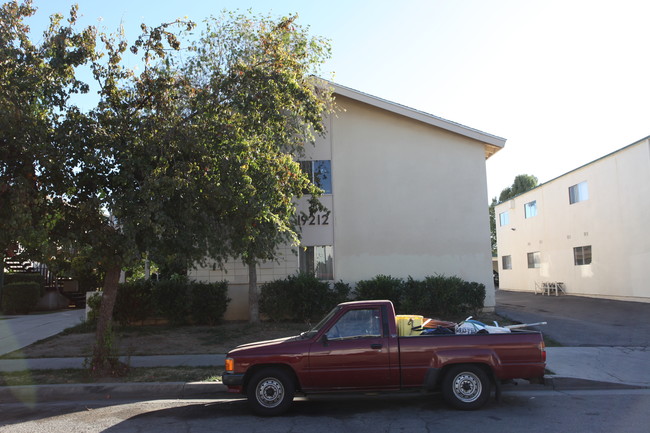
(254, 369)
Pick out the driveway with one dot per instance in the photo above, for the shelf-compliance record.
(577, 321)
(17, 332)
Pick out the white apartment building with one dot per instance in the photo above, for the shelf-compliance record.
(587, 229)
(406, 195)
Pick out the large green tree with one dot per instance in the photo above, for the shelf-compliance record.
(192, 157)
(521, 184)
(36, 83)
(257, 77)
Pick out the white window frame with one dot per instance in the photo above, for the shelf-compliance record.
(582, 255)
(536, 260)
(504, 219)
(530, 209)
(578, 192)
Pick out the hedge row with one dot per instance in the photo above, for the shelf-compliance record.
(24, 277)
(21, 292)
(178, 300)
(300, 298)
(305, 298)
(21, 297)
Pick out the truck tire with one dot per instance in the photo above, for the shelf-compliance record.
(270, 391)
(466, 387)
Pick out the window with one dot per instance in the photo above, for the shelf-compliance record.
(534, 260)
(320, 173)
(579, 192)
(506, 262)
(582, 255)
(356, 324)
(317, 261)
(504, 219)
(530, 209)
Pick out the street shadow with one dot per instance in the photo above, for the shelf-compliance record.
(236, 415)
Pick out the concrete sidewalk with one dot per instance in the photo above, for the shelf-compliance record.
(599, 367)
(207, 360)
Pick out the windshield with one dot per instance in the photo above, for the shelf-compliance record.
(314, 330)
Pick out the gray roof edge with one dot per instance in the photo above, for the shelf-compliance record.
(647, 139)
(421, 116)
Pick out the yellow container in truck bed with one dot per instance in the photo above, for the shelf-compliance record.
(406, 323)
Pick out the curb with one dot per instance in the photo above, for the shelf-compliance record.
(559, 383)
(211, 390)
(112, 391)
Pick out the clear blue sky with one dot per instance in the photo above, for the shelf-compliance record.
(564, 81)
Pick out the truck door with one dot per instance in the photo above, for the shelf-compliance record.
(352, 354)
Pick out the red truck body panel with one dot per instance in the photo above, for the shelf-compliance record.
(382, 360)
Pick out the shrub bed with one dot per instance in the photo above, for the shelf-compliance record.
(209, 302)
(443, 297)
(24, 277)
(381, 287)
(300, 298)
(435, 296)
(21, 297)
(177, 300)
(134, 302)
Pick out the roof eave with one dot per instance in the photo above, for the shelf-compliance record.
(493, 143)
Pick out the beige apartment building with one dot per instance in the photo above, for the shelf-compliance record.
(405, 193)
(587, 229)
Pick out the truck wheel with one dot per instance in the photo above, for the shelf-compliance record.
(466, 387)
(270, 391)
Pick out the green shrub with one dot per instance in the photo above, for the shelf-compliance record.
(94, 303)
(172, 299)
(134, 302)
(341, 292)
(177, 300)
(209, 302)
(381, 287)
(25, 277)
(472, 297)
(414, 299)
(300, 298)
(442, 297)
(21, 297)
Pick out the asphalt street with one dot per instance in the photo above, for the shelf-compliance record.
(522, 411)
(576, 321)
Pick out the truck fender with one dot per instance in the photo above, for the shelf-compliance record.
(486, 356)
(255, 368)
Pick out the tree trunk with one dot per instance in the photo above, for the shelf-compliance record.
(104, 362)
(253, 296)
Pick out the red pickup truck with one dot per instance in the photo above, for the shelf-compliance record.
(356, 347)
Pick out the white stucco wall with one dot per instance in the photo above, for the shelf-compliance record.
(236, 274)
(409, 199)
(613, 221)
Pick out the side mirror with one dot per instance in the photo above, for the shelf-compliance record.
(324, 340)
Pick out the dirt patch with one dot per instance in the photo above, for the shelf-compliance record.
(162, 340)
